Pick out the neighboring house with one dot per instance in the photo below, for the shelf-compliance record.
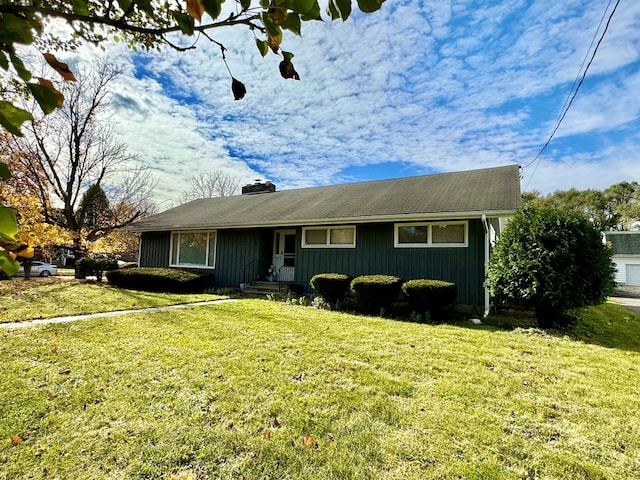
(434, 226)
(626, 256)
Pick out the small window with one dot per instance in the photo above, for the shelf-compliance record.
(448, 233)
(193, 249)
(413, 234)
(316, 236)
(329, 237)
(445, 234)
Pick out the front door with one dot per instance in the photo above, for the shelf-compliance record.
(284, 254)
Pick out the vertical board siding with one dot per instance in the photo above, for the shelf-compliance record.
(154, 249)
(237, 248)
(376, 254)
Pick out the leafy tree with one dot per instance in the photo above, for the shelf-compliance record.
(71, 158)
(552, 260)
(624, 198)
(615, 208)
(210, 185)
(117, 244)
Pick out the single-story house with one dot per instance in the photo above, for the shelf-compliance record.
(433, 226)
(626, 256)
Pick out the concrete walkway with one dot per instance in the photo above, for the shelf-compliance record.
(73, 318)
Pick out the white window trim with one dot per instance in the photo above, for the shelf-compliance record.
(328, 239)
(430, 244)
(206, 265)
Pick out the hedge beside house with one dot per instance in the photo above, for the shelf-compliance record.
(160, 280)
(375, 292)
(331, 286)
(433, 296)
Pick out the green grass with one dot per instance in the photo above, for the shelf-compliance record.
(44, 298)
(196, 394)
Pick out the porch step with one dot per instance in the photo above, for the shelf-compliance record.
(262, 289)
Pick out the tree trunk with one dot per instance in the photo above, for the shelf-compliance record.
(26, 266)
(78, 252)
(547, 315)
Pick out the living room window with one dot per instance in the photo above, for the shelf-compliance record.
(193, 249)
(329, 237)
(431, 234)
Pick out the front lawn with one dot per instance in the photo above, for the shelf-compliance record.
(256, 389)
(54, 297)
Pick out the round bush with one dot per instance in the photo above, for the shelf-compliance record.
(373, 292)
(431, 296)
(95, 266)
(331, 286)
(551, 260)
(160, 280)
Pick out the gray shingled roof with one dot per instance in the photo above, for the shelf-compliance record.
(447, 195)
(624, 243)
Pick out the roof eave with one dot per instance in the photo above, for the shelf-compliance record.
(411, 217)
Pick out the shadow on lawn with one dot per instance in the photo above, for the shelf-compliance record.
(608, 325)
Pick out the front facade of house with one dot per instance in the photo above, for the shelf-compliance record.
(626, 256)
(435, 226)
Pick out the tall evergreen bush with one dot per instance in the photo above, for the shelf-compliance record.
(551, 260)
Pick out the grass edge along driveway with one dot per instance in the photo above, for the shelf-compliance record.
(257, 389)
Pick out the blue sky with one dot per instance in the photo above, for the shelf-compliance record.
(422, 86)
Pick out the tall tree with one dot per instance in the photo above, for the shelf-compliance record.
(71, 159)
(212, 184)
(624, 201)
(615, 208)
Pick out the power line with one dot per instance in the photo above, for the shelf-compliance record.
(575, 90)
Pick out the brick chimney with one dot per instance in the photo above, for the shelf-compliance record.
(258, 186)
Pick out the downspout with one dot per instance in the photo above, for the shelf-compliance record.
(140, 249)
(487, 250)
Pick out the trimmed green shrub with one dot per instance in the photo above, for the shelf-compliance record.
(374, 292)
(432, 296)
(331, 286)
(160, 280)
(550, 260)
(95, 266)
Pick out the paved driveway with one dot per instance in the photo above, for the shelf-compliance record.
(628, 297)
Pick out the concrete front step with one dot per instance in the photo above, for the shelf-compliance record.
(261, 289)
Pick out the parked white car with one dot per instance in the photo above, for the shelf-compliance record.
(39, 269)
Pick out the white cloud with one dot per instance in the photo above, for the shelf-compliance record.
(434, 86)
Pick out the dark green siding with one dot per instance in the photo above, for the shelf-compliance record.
(375, 253)
(235, 249)
(154, 249)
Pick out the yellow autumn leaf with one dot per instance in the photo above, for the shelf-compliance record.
(195, 9)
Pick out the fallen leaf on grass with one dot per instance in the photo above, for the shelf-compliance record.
(274, 422)
(267, 434)
(15, 440)
(309, 441)
(64, 372)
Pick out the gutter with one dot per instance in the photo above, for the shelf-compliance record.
(487, 251)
